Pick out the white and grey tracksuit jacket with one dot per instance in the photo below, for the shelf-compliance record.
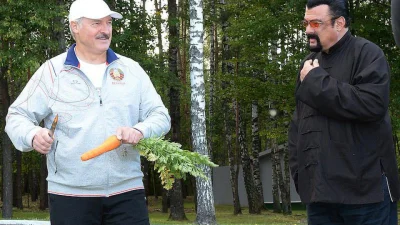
(86, 118)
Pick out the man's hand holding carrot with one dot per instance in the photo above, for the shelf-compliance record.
(125, 135)
(129, 135)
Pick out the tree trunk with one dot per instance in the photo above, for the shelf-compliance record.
(286, 202)
(275, 177)
(33, 184)
(193, 179)
(174, 94)
(7, 178)
(246, 161)
(25, 183)
(256, 147)
(154, 181)
(144, 7)
(159, 31)
(18, 180)
(165, 201)
(176, 198)
(58, 31)
(145, 171)
(7, 169)
(177, 208)
(205, 199)
(44, 204)
(212, 80)
(26, 188)
(183, 64)
(233, 161)
(282, 186)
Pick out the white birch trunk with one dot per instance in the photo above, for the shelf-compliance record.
(205, 198)
(256, 147)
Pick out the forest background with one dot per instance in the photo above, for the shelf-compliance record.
(252, 52)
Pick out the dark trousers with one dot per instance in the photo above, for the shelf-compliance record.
(124, 209)
(382, 213)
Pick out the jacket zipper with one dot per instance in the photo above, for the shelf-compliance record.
(98, 89)
(99, 93)
(387, 182)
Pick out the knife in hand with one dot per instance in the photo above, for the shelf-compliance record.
(53, 126)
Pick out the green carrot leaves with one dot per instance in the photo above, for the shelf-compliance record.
(171, 161)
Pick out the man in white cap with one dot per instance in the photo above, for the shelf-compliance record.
(95, 93)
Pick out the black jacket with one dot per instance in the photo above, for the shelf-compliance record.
(340, 138)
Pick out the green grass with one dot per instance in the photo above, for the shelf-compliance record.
(30, 215)
(224, 214)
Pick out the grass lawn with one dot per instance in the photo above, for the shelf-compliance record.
(223, 213)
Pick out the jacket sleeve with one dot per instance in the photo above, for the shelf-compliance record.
(365, 100)
(395, 14)
(28, 110)
(154, 120)
(292, 141)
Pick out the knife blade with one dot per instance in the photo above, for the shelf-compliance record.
(53, 126)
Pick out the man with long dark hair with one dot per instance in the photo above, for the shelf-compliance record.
(342, 155)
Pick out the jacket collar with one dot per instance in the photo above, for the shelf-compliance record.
(72, 60)
(339, 44)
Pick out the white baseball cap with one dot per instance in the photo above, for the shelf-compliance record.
(91, 9)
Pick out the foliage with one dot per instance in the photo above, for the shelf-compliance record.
(171, 161)
(133, 37)
(266, 41)
(26, 30)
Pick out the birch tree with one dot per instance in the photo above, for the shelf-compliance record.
(245, 160)
(233, 161)
(256, 147)
(212, 76)
(205, 198)
(275, 177)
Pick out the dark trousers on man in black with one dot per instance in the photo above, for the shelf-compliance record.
(381, 213)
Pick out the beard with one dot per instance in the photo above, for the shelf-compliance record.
(316, 48)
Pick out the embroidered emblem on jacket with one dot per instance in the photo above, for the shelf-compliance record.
(116, 74)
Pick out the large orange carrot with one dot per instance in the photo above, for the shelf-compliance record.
(109, 144)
